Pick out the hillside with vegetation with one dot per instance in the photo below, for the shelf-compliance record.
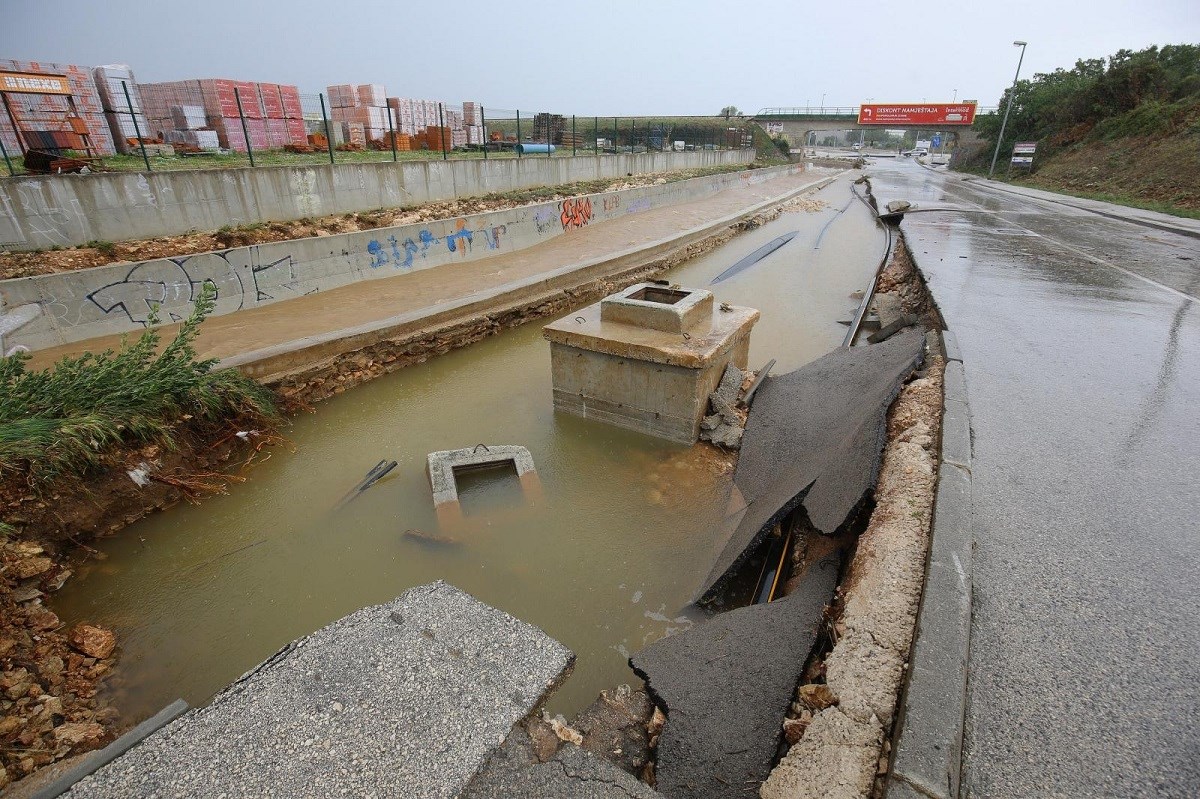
(1124, 128)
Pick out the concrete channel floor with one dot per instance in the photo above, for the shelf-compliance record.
(1080, 338)
(402, 699)
(360, 303)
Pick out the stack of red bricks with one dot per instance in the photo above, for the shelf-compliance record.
(272, 112)
(52, 112)
(361, 105)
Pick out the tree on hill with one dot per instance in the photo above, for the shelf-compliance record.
(1147, 92)
(730, 111)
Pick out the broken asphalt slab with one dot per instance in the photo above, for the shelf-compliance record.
(407, 698)
(572, 773)
(815, 437)
(725, 686)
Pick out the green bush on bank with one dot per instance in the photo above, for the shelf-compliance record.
(1148, 92)
(64, 420)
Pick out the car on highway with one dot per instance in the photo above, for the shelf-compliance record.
(916, 151)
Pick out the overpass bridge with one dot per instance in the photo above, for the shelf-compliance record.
(800, 121)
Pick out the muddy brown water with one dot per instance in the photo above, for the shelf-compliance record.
(604, 559)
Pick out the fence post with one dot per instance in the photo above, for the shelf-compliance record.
(596, 136)
(615, 129)
(518, 147)
(574, 138)
(325, 120)
(483, 127)
(632, 137)
(237, 95)
(7, 162)
(137, 130)
(392, 133)
(442, 131)
(549, 137)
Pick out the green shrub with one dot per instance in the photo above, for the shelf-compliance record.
(103, 247)
(63, 420)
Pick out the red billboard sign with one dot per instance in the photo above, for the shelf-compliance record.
(900, 114)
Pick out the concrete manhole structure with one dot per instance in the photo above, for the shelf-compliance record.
(445, 464)
(647, 358)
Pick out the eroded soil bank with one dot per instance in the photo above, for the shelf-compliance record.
(51, 706)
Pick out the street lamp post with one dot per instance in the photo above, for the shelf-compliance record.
(1007, 108)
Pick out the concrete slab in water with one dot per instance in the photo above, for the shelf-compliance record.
(815, 437)
(401, 699)
(725, 686)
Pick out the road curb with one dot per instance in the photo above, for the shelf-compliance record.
(94, 761)
(927, 748)
(1084, 204)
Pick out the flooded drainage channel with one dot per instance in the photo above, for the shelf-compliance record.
(602, 554)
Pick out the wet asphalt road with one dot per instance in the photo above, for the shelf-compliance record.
(1080, 338)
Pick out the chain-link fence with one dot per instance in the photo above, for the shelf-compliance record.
(224, 123)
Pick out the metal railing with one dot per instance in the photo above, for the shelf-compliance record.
(217, 123)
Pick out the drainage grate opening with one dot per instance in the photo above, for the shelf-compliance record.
(487, 487)
(654, 294)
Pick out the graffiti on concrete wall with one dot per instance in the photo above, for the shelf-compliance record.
(544, 218)
(402, 254)
(637, 206)
(612, 202)
(49, 226)
(171, 283)
(12, 320)
(576, 212)
(461, 238)
(279, 274)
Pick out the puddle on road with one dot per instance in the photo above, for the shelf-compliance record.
(603, 559)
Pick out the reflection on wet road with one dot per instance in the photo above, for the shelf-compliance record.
(1081, 343)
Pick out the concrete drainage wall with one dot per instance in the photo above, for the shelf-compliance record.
(48, 310)
(71, 210)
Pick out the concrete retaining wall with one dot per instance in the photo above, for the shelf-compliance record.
(71, 210)
(48, 310)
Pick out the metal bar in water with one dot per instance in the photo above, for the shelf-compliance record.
(852, 333)
(359, 485)
(758, 381)
(754, 257)
(833, 219)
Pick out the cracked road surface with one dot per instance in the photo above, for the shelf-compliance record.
(1080, 337)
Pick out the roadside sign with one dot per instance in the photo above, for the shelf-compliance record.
(1023, 160)
(1025, 148)
(900, 114)
(33, 83)
(937, 140)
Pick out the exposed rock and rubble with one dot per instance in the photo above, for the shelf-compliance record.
(49, 676)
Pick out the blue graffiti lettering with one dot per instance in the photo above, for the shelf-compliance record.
(461, 235)
(379, 257)
(492, 236)
(410, 249)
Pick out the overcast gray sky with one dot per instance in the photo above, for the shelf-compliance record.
(604, 57)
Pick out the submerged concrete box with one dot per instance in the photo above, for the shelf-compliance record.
(647, 358)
